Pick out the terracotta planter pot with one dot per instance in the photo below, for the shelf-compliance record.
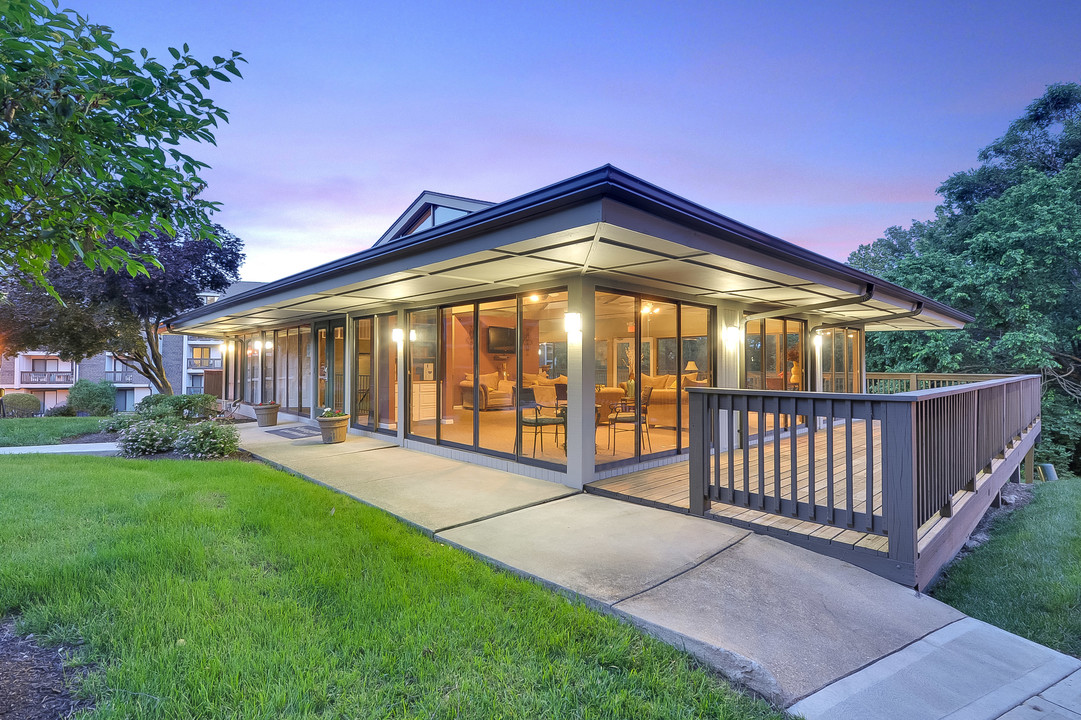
(333, 428)
(266, 415)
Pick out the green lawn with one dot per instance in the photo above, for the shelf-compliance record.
(228, 589)
(1027, 577)
(44, 430)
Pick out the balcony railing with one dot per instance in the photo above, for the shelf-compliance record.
(120, 376)
(204, 363)
(194, 391)
(47, 378)
(913, 472)
(887, 383)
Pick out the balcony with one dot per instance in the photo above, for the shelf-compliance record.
(194, 391)
(48, 378)
(195, 363)
(120, 376)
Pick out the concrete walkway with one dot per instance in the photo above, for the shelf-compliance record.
(812, 634)
(62, 449)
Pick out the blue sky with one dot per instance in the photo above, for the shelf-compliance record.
(822, 123)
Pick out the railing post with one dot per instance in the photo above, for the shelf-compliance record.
(699, 431)
(899, 484)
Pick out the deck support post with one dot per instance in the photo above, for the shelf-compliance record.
(699, 432)
(899, 486)
(1030, 466)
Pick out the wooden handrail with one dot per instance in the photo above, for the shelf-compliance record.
(880, 464)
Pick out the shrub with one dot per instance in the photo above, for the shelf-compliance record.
(208, 440)
(21, 405)
(177, 406)
(94, 398)
(60, 411)
(117, 422)
(146, 437)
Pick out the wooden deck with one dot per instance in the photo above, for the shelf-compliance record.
(667, 487)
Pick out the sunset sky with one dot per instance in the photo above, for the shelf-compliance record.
(822, 123)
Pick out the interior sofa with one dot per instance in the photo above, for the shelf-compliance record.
(663, 404)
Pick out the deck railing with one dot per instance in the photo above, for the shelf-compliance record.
(887, 464)
(888, 383)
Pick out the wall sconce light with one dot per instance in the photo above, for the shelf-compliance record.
(397, 335)
(817, 340)
(267, 345)
(258, 345)
(222, 348)
(412, 336)
(572, 323)
(731, 337)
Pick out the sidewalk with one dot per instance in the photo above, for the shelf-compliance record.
(813, 634)
(63, 449)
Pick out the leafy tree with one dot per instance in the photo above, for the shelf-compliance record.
(90, 141)
(1005, 247)
(111, 310)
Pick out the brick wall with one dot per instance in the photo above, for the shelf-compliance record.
(93, 368)
(172, 353)
(7, 371)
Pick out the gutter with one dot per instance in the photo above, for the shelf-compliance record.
(867, 295)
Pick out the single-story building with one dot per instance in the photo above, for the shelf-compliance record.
(561, 335)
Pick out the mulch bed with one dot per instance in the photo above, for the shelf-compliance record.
(1014, 497)
(34, 685)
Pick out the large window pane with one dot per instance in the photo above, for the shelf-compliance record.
(422, 346)
(338, 368)
(658, 391)
(543, 394)
(496, 375)
(304, 395)
(615, 393)
(281, 368)
(696, 360)
(458, 397)
(387, 373)
(322, 397)
(362, 405)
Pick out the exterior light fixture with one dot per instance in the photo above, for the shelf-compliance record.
(222, 347)
(731, 337)
(268, 345)
(258, 345)
(412, 336)
(817, 341)
(397, 335)
(572, 323)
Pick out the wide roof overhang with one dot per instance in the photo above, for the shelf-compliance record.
(605, 224)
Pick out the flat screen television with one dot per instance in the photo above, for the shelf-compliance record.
(501, 341)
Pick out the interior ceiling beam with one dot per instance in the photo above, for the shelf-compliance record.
(867, 295)
(871, 320)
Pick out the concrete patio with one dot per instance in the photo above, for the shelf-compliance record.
(812, 634)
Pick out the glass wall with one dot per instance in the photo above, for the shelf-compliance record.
(648, 352)
(500, 370)
(775, 358)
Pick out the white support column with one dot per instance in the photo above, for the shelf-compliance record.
(403, 390)
(729, 334)
(729, 343)
(581, 412)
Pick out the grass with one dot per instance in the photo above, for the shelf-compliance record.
(44, 430)
(1027, 577)
(231, 590)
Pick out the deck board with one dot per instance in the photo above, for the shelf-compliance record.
(667, 486)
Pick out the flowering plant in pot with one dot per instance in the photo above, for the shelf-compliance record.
(266, 413)
(333, 425)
